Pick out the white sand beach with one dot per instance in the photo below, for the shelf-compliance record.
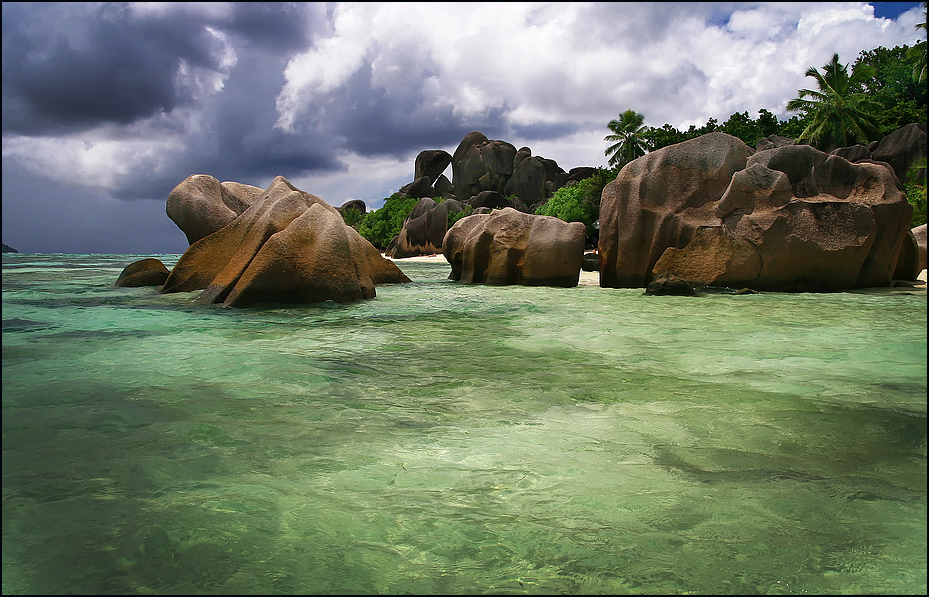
(586, 278)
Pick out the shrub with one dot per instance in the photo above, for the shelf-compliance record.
(915, 192)
(381, 225)
(579, 202)
(454, 216)
(352, 216)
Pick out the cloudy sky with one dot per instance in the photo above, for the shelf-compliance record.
(108, 106)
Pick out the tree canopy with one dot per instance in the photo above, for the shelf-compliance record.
(839, 114)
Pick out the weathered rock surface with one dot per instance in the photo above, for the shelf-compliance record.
(201, 205)
(354, 204)
(919, 234)
(423, 230)
(431, 163)
(907, 267)
(670, 285)
(797, 219)
(511, 247)
(289, 246)
(145, 272)
(902, 148)
(419, 188)
(659, 200)
(772, 141)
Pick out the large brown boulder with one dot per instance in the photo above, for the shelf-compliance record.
(145, 272)
(919, 235)
(902, 148)
(423, 230)
(480, 164)
(288, 247)
(511, 247)
(201, 205)
(431, 163)
(797, 219)
(528, 180)
(659, 200)
(908, 266)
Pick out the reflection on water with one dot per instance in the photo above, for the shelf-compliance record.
(445, 438)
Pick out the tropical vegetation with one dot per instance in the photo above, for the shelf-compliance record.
(628, 138)
(580, 201)
(381, 225)
(837, 112)
(882, 91)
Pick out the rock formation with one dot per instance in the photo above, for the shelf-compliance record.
(201, 205)
(145, 272)
(8, 249)
(919, 235)
(659, 200)
(357, 204)
(431, 164)
(711, 211)
(511, 247)
(288, 247)
(423, 230)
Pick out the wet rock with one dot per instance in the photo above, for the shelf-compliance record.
(145, 272)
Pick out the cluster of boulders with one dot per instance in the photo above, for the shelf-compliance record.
(713, 212)
(486, 175)
(284, 246)
(710, 211)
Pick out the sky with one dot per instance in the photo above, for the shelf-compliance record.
(108, 106)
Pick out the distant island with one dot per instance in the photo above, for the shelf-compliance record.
(8, 249)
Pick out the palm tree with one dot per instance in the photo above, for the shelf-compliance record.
(919, 51)
(838, 115)
(627, 138)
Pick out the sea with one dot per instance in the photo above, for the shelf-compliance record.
(445, 438)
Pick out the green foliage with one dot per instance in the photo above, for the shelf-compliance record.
(840, 114)
(915, 192)
(664, 136)
(381, 225)
(454, 216)
(579, 202)
(352, 216)
(892, 85)
(918, 52)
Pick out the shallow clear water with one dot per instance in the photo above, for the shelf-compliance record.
(444, 438)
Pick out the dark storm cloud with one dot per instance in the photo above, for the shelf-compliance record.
(273, 26)
(234, 137)
(373, 122)
(68, 66)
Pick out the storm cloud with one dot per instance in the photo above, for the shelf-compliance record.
(107, 106)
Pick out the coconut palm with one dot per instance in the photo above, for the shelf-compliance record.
(838, 116)
(627, 138)
(919, 51)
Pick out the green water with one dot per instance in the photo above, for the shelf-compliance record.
(445, 438)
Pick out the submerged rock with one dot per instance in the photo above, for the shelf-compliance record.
(145, 272)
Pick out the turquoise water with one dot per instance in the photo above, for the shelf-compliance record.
(444, 438)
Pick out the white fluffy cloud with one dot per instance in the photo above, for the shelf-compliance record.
(585, 63)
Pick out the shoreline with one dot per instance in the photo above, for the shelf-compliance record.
(593, 278)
